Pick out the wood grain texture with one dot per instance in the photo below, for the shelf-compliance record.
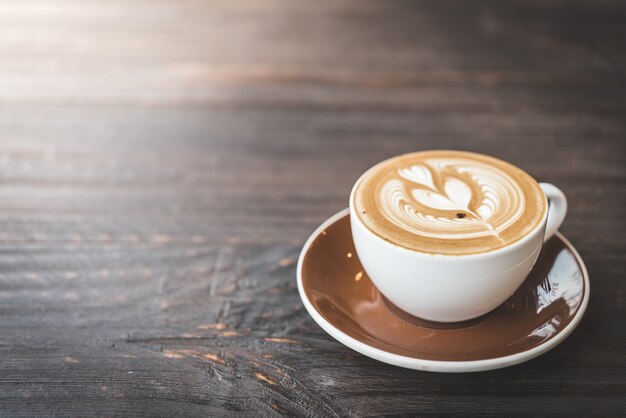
(162, 163)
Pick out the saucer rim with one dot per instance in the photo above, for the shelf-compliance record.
(447, 366)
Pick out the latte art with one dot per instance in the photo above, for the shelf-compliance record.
(487, 205)
(449, 202)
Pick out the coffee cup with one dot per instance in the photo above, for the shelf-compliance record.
(448, 236)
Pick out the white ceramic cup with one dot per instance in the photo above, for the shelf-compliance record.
(451, 288)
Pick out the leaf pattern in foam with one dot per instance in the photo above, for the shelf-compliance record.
(489, 203)
(434, 200)
(419, 174)
(458, 192)
(457, 196)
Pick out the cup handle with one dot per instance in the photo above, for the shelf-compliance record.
(557, 208)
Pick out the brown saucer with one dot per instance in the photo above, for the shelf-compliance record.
(342, 299)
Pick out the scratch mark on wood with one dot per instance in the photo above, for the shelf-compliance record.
(224, 311)
(216, 272)
(189, 335)
(278, 407)
(264, 378)
(213, 326)
(167, 338)
(281, 340)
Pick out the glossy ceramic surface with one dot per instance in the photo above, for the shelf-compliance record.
(342, 299)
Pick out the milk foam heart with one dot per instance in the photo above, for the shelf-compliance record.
(449, 202)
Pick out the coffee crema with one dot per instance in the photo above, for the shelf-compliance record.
(449, 202)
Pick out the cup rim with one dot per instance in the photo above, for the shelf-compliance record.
(486, 254)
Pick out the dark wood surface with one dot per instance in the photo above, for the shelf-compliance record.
(162, 163)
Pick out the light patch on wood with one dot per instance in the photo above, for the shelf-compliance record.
(264, 378)
(72, 296)
(131, 238)
(172, 354)
(233, 240)
(285, 262)
(185, 352)
(71, 275)
(213, 326)
(71, 360)
(188, 352)
(74, 237)
(281, 340)
(268, 356)
(105, 273)
(161, 239)
(214, 358)
(230, 333)
(228, 289)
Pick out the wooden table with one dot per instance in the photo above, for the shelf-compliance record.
(162, 163)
